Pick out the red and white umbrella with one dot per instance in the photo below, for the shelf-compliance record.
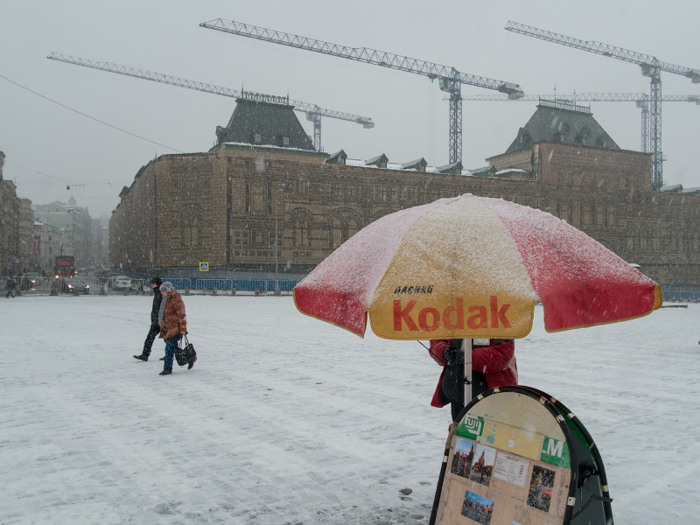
(472, 267)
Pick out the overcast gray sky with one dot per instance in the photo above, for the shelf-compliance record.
(49, 147)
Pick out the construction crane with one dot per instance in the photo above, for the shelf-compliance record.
(641, 100)
(313, 112)
(651, 67)
(450, 80)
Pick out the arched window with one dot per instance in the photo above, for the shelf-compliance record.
(190, 219)
(353, 227)
(191, 232)
(258, 200)
(301, 231)
(336, 232)
(302, 186)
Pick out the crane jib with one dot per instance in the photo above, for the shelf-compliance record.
(450, 78)
(305, 107)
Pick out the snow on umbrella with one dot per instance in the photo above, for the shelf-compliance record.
(472, 267)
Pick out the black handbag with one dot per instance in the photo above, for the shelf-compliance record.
(190, 352)
(186, 354)
(180, 355)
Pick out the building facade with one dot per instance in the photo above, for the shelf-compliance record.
(9, 225)
(237, 204)
(75, 221)
(222, 207)
(26, 235)
(49, 241)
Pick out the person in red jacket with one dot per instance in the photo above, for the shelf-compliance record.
(493, 365)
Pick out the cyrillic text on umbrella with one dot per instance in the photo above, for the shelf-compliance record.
(414, 289)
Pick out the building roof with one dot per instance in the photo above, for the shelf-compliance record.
(339, 157)
(263, 123)
(556, 121)
(380, 161)
(455, 168)
(672, 188)
(418, 165)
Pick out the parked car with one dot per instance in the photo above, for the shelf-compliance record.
(29, 280)
(122, 282)
(71, 284)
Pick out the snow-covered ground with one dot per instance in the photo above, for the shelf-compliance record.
(287, 420)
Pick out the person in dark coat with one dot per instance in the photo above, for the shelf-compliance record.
(10, 288)
(493, 365)
(155, 326)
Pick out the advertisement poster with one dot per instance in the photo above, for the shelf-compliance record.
(512, 439)
(471, 427)
(555, 453)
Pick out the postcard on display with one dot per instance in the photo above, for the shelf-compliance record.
(539, 495)
(473, 461)
(477, 508)
(511, 469)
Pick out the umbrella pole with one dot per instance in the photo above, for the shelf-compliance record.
(467, 348)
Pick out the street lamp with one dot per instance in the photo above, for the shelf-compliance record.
(277, 289)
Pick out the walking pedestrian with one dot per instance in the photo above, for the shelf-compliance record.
(173, 323)
(10, 288)
(155, 326)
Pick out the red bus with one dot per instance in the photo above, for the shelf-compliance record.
(64, 266)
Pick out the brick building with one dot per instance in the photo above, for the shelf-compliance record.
(9, 225)
(26, 235)
(222, 206)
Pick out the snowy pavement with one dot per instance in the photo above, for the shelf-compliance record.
(287, 420)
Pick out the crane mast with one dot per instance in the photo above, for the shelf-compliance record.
(450, 79)
(312, 111)
(651, 67)
(640, 99)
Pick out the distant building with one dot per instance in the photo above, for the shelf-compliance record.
(75, 222)
(99, 241)
(9, 225)
(222, 206)
(49, 241)
(26, 235)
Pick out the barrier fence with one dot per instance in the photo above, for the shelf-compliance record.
(680, 293)
(101, 285)
(241, 285)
